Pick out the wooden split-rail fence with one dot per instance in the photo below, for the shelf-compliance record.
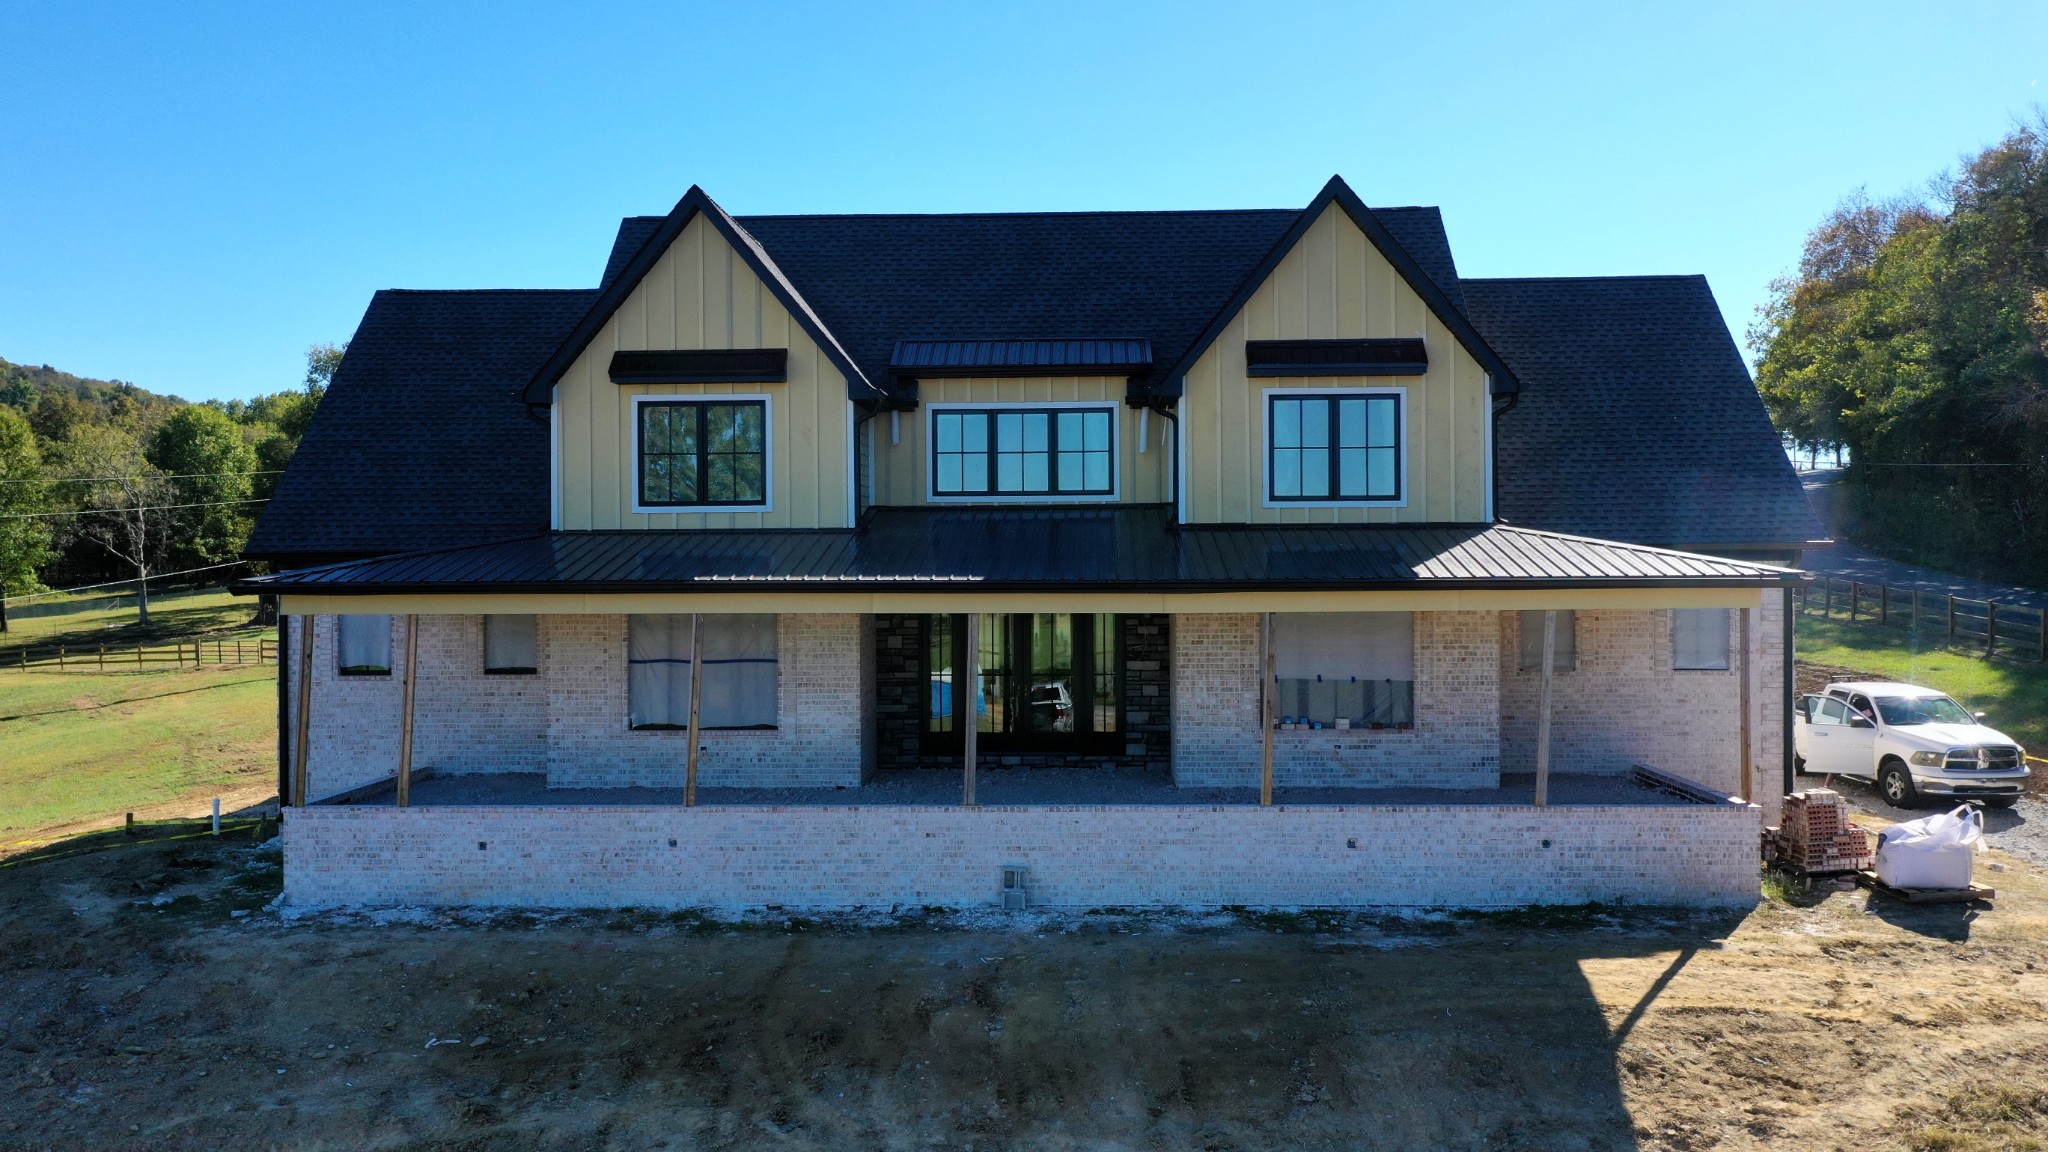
(1984, 626)
(129, 657)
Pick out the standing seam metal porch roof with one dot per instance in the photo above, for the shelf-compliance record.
(981, 549)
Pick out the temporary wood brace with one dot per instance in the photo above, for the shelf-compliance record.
(1748, 723)
(1543, 708)
(696, 698)
(412, 680)
(299, 777)
(1268, 688)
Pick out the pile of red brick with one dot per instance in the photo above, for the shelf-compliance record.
(1816, 835)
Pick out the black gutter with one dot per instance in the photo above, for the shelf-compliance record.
(284, 716)
(971, 586)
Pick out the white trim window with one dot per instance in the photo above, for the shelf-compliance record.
(1699, 639)
(1027, 452)
(702, 454)
(1335, 448)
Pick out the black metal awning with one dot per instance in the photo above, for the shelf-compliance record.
(933, 359)
(1132, 548)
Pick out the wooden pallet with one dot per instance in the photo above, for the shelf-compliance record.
(1868, 879)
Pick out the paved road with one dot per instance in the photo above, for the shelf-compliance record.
(1848, 562)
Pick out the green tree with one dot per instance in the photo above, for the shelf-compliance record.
(1915, 334)
(119, 501)
(24, 536)
(208, 462)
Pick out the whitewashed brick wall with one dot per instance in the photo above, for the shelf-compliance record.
(353, 738)
(875, 857)
(1624, 704)
(1455, 742)
(823, 737)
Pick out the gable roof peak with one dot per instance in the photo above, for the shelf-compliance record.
(695, 202)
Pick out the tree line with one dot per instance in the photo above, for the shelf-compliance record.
(1915, 334)
(103, 480)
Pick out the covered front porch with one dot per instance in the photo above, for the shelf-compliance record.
(1201, 738)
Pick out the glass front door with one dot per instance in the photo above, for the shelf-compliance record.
(1050, 682)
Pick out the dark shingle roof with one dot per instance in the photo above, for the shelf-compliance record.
(420, 441)
(875, 280)
(1637, 419)
(999, 549)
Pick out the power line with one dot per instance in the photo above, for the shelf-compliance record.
(138, 508)
(119, 583)
(163, 476)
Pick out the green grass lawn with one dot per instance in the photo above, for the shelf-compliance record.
(81, 745)
(180, 615)
(2013, 694)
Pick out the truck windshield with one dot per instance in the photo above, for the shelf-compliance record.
(1906, 711)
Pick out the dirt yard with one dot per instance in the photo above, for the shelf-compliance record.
(150, 1002)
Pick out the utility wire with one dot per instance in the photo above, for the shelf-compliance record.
(139, 508)
(164, 476)
(27, 596)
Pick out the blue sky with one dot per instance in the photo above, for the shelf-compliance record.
(190, 194)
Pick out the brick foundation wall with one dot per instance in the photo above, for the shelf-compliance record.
(1624, 704)
(876, 857)
(819, 740)
(902, 691)
(1454, 744)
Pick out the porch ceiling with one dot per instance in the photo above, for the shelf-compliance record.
(1134, 551)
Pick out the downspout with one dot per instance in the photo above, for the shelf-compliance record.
(1513, 399)
(284, 707)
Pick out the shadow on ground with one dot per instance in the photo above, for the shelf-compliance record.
(154, 992)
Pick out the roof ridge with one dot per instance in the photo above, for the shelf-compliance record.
(1013, 215)
(1581, 279)
(480, 291)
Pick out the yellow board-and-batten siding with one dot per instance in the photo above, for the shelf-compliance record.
(701, 294)
(902, 470)
(1335, 284)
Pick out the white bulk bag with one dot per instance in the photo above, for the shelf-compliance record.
(1932, 852)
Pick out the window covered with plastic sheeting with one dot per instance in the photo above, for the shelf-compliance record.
(362, 645)
(511, 645)
(1357, 667)
(740, 671)
(1699, 639)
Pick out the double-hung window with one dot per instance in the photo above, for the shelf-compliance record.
(1333, 446)
(1004, 452)
(703, 453)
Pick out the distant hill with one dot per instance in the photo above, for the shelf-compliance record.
(23, 384)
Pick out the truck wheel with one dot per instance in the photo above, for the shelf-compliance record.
(1896, 784)
(1799, 764)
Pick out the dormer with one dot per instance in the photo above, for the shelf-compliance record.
(700, 391)
(1343, 385)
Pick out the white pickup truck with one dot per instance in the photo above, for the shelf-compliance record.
(1911, 741)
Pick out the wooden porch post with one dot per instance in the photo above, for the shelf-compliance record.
(1268, 683)
(1748, 666)
(412, 681)
(1543, 708)
(299, 778)
(696, 697)
(970, 701)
